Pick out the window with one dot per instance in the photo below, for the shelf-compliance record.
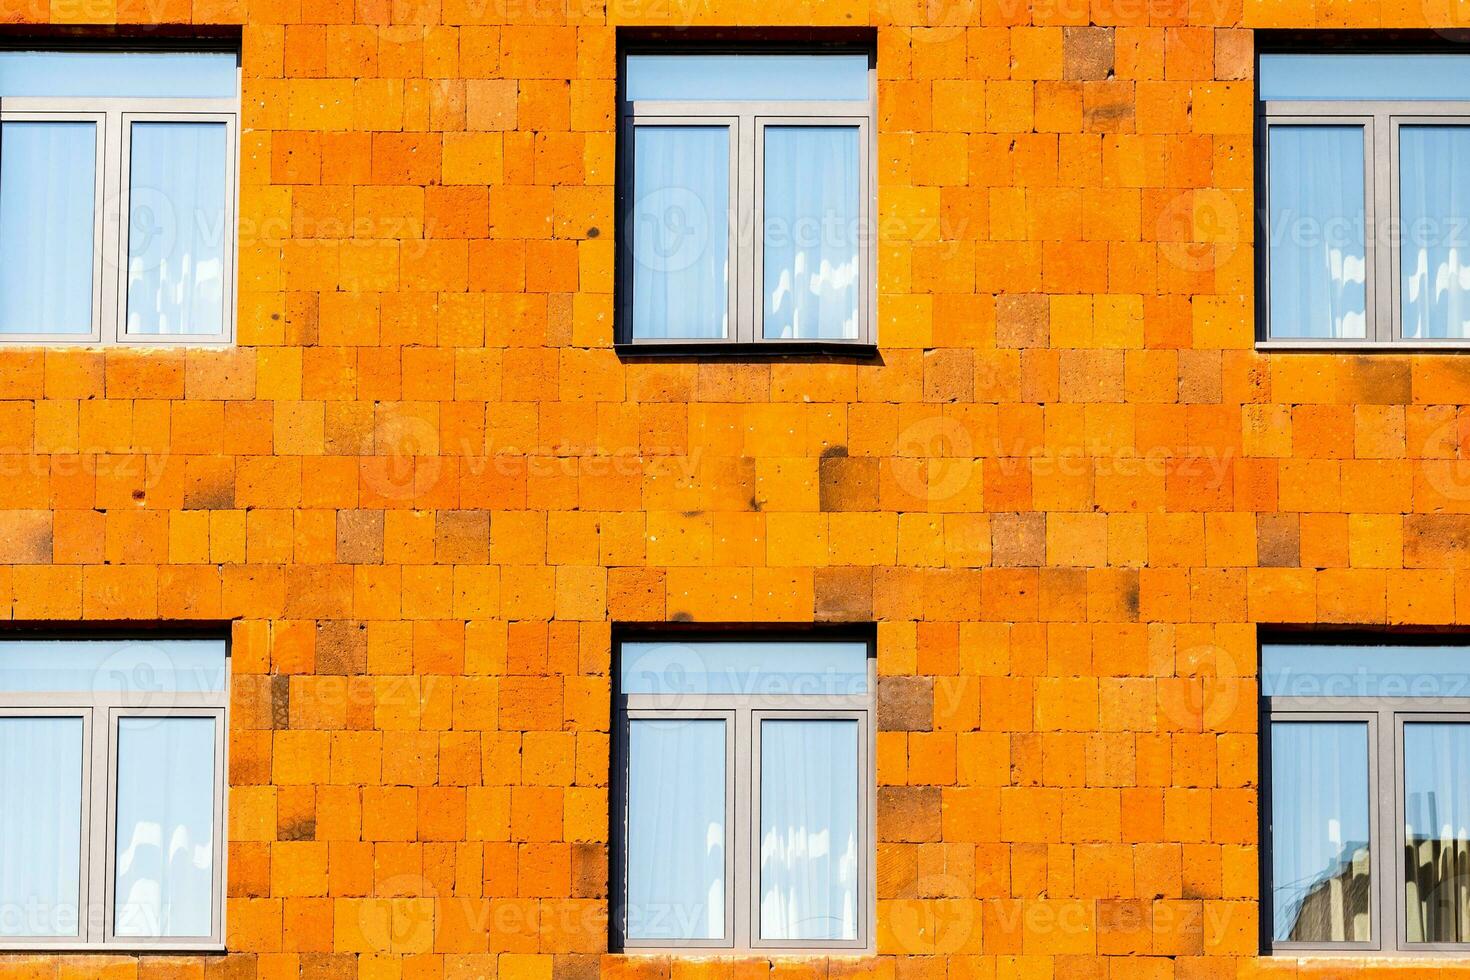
(1366, 165)
(745, 787)
(1367, 749)
(747, 199)
(117, 196)
(112, 782)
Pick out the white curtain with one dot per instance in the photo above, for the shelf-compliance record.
(681, 237)
(1319, 831)
(676, 829)
(811, 225)
(47, 212)
(165, 826)
(176, 228)
(1437, 832)
(1434, 208)
(809, 830)
(40, 825)
(1318, 267)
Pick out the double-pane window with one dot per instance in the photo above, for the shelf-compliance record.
(747, 198)
(112, 793)
(745, 792)
(1366, 168)
(1368, 788)
(117, 196)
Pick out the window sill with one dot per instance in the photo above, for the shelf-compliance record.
(113, 949)
(1394, 958)
(1365, 346)
(716, 953)
(701, 350)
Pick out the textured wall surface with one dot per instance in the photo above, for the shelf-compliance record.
(423, 486)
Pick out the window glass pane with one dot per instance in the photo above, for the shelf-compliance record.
(812, 220)
(765, 77)
(1319, 832)
(681, 231)
(48, 185)
(119, 74)
(165, 827)
(176, 228)
(768, 667)
(1437, 832)
(1318, 281)
(676, 829)
(809, 830)
(1390, 671)
(41, 825)
(1364, 76)
(1434, 208)
(112, 666)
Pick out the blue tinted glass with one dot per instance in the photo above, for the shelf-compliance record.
(681, 231)
(1320, 866)
(1332, 670)
(721, 77)
(48, 184)
(811, 226)
(119, 74)
(1434, 207)
(112, 666)
(1318, 270)
(809, 830)
(776, 667)
(676, 829)
(1436, 831)
(41, 825)
(1364, 76)
(176, 228)
(165, 827)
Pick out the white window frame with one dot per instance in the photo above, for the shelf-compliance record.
(100, 711)
(746, 121)
(742, 715)
(1380, 121)
(114, 118)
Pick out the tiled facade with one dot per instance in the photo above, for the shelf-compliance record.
(423, 486)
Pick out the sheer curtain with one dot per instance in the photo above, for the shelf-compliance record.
(1319, 831)
(176, 228)
(1318, 267)
(809, 830)
(1437, 832)
(165, 826)
(681, 231)
(47, 214)
(1434, 211)
(811, 228)
(41, 825)
(676, 829)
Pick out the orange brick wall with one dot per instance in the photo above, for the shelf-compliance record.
(423, 486)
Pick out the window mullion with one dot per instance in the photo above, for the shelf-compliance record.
(114, 227)
(741, 782)
(94, 929)
(1383, 174)
(1386, 852)
(747, 212)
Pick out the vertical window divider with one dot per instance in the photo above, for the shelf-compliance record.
(748, 222)
(95, 849)
(743, 889)
(1391, 816)
(1383, 230)
(114, 247)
